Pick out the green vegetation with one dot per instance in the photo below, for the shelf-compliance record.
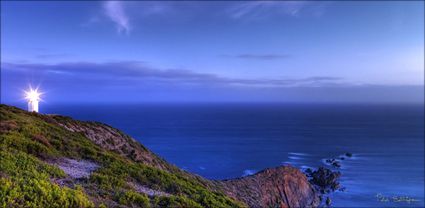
(132, 198)
(28, 140)
(173, 201)
(25, 183)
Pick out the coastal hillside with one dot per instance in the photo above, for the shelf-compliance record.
(56, 161)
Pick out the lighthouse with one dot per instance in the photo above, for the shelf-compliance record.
(33, 97)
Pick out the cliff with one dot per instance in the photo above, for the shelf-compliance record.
(56, 161)
(274, 187)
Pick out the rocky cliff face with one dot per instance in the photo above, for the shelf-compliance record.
(126, 174)
(274, 187)
(111, 139)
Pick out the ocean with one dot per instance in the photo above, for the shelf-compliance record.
(221, 141)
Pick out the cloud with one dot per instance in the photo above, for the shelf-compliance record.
(133, 71)
(259, 56)
(120, 12)
(52, 55)
(132, 81)
(263, 9)
(115, 11)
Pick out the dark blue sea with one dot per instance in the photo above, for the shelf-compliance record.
(220, 141)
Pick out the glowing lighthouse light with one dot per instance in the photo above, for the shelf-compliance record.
(33, 97)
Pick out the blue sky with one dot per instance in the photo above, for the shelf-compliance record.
(254, 51)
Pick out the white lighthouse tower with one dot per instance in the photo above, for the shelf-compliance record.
(33, 97)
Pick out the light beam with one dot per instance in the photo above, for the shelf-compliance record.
(33, 97)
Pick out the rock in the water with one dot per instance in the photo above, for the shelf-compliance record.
(348, 154)
(328, 201)
(308, 171)
(336, 164)
(330, 161)
(325, 179)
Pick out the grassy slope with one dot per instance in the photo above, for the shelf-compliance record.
(27, 141)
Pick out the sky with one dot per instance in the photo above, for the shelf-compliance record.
(213, 51)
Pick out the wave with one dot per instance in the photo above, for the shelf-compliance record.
(295, 158)
(299, 154)
(248, 172)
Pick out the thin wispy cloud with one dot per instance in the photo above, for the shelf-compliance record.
(92, 20)
(115, 11)
(53, 55)
(264, 9)
(258, 56)
(120, 12)
(151, 8)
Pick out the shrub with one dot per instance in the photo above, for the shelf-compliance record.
(175, 202)
(6, 126)
(132, 198)
(40, 138)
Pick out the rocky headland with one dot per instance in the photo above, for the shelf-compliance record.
(90, 164)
